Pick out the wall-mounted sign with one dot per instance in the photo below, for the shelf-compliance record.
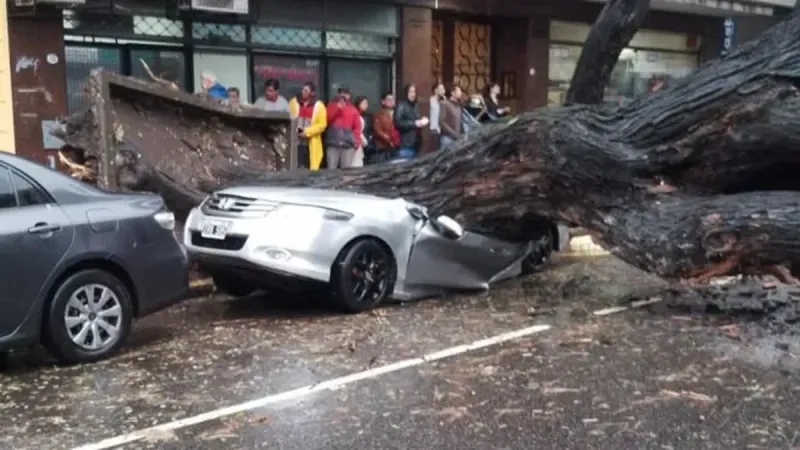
(728, 35)
(49, 141)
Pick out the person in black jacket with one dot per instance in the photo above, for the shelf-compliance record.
(409, 123)
(494, 111)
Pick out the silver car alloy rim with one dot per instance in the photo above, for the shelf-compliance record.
(93, 317)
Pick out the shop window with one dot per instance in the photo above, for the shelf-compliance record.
(292, 72)
(217, 33)
(571, 32)
(631, 77)
(358, 43)
(286, 37)
(79, 62)
(155, 8)
(295, 13)
(92, 23)
(367, 78)
(362, 17)
(157, 27)
(230, 69)
(167, 64)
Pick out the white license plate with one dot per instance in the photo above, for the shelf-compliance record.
(214, 229)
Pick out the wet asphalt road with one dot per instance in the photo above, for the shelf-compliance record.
(638, 379)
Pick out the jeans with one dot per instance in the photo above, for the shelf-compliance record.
(404, 153)
(303, 159)
(380, 156)
(444, 141)
(340, 158)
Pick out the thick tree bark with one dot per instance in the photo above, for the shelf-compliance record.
(694, 181)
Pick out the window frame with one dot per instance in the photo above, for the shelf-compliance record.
(11, 171)
(7, 172)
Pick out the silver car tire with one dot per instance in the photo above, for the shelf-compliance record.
(88, 318)
(363, 276)
(539, 258)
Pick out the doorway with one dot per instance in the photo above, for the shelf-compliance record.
(461, 53)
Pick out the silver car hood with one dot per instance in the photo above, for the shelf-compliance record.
(324, 198)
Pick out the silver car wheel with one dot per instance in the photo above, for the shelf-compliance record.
(93, 317)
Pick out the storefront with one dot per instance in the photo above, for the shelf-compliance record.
(652, 57)
(331, 43)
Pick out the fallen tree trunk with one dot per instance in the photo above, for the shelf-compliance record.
(694, 181)
(682, 183)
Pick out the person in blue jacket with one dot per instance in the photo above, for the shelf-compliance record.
(212, 87)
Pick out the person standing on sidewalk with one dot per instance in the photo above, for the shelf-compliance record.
(311, 123)
(384, 134)
(362, 105)
(437, 97)
(212, 87)
(234, 96)
(409, 124)
(343, 135)
(450, 117)
(272, 100)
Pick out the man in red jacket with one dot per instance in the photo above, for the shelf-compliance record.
(342, 137)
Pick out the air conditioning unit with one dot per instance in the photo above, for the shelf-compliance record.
(23, 3)
(222, 6)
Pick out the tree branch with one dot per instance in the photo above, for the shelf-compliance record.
(614, 28)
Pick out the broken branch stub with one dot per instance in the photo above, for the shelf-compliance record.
(150, 137)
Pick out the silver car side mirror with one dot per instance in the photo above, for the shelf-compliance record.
(449, 227)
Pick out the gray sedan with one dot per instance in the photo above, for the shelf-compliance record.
(78, 264)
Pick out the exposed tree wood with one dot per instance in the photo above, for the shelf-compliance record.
(169, 141)
(697, 180)
(156, 79)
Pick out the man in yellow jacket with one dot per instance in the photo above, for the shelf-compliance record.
(311, 123)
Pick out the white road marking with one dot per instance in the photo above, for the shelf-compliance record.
(633, 305)
(336, 383)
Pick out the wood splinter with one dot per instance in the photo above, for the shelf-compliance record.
(156, 79)
(75, 170)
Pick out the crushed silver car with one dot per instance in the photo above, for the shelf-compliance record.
(364, 249)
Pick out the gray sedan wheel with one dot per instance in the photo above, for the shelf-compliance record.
(89, 317)
(93, 317)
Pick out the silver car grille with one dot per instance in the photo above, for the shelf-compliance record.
(228, 205)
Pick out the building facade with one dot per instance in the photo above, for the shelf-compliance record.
(530, 48)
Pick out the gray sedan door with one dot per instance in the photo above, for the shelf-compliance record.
(35, 235)
(466, 263)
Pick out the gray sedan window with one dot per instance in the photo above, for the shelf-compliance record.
(27, 193)
(7, 198)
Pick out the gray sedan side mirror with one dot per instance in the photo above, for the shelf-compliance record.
(449, 227)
